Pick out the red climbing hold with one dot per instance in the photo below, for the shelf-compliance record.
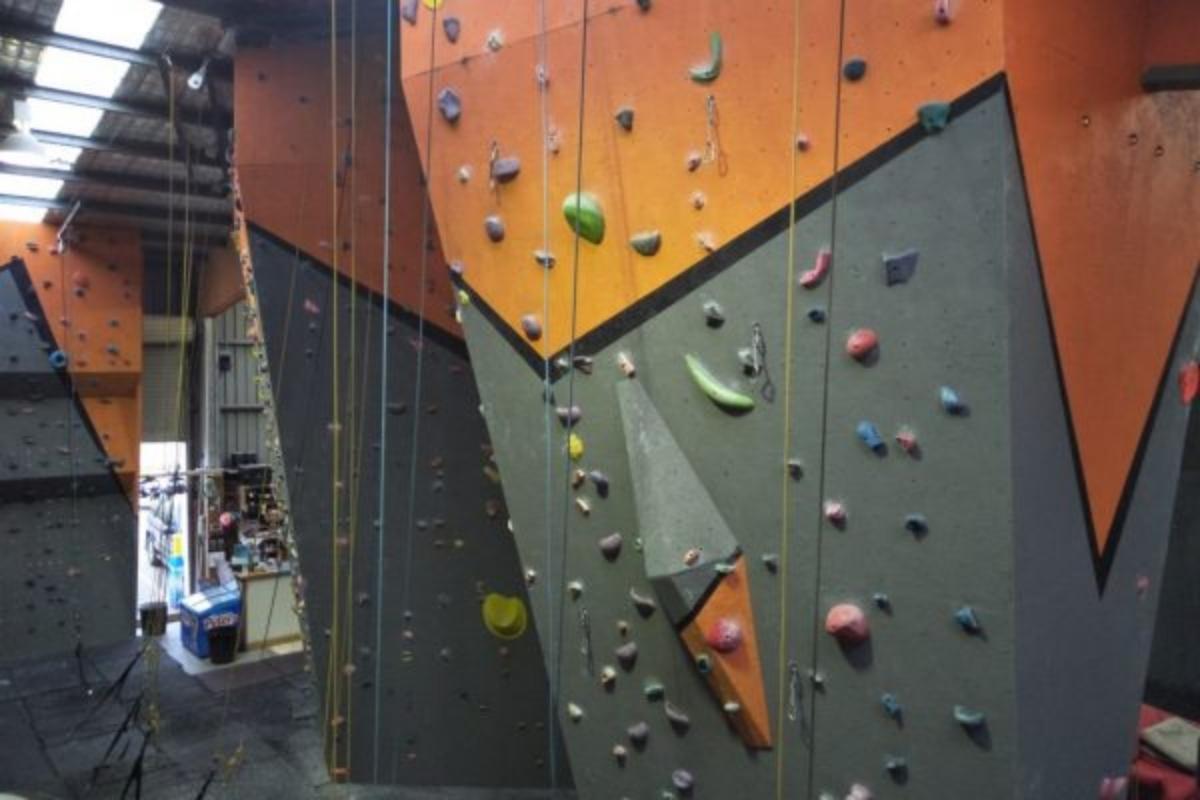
(941, 11)
(813, 277)
(861, 343)
(725, 635)
(81, 280)
(848, 624)
(1189, 382)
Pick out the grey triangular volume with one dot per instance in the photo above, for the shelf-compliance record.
(674, 511)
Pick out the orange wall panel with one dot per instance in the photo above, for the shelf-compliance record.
(1115, 199)
(1172, 33)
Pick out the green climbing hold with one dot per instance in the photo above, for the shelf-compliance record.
(585, 216)
(646, 243)
(934, 117)
(709, 72)
(718, 392)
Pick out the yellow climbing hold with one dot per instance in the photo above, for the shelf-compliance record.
(434, 4)
(504, 617)
(575, 447)
(463, 298)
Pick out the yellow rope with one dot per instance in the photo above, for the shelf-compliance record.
(351, 189)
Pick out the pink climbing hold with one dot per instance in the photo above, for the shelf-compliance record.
(813, 277)
(835, 512)
(1189, 382)
(848, 624)
(861, 343)
(907, 439)
(941, 11)
(725, 635)
(311, 307)
(1113, 787)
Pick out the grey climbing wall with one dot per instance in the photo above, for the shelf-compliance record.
(68, 528)
(457, 707)
(968, 555)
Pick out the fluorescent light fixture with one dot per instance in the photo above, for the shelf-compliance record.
(11, 213)
(47, 115)
(79, 72)
(42, 188)
(121, 22)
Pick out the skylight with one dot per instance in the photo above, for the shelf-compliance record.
(45, 188)
(13, 213)
(121, 22)
(48, 115)
(80, 72)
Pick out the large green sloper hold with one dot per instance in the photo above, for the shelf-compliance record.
(585, 216)
(717, 391)
(707, 73)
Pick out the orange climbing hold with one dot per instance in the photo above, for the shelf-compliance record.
(736, 673)
(1189, 382)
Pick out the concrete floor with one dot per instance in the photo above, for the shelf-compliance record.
(54, 733)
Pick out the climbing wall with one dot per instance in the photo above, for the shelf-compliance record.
(445, 541)
(68, 575)
(838, 465)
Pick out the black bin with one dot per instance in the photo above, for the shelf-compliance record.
(222, 644)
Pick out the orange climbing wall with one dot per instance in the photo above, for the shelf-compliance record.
(106, 316)
(1172, 33)
(1115, 198)
(642, 60)
(285, 165)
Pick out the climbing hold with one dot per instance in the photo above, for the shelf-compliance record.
(408, 11)
(771, 562)
(693, 161)
(860, 792)
(952, 403)
(896, 766)
(1113, 787)
(644, 5)
(698, 199)
(707, 73)
(720, 394)
(575, 447)
(861, 343)
(835, 512)
(646, 243)
(627, 655)
(934, 117)
(813, 277)
(803, 142)
(795, 468)
(544, 258)
(683, 780)
(899, 267)
(495, 40)
(464, 173)
(584, 506)
(644, 604)
(707, 241)
(816, 314)
(532, 327)
(575, 589)
(449, 105)
(452, 27)
(574, 712)
(969, 718)
(968, 620)
(941, 12)
(620, 754)
(600, 481)
(626, 365)
(691, 556)
(916, 524)
(584, 215)
(854, 69)
(58, 359)
(610, 546)
(725, 635)
(1189, 382)
(907, 439)
(679, 720)
(639, 734)
(714, 315)
(653, 689)
(891, 706)
(504, 617)
(506, 169)
(869, 434)
(577, 478)
(608, 677)
(848, 624)
(568, 416)
(624, 117)
(494, 227)
(882, 601)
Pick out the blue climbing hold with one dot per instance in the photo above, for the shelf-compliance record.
(871, 438)
(968, 620)
(854, 69)
(58, 359)
(882, 601)
(934, 117)
(916, 523)
(816, 314)
(891, 706)
(952, 402)
(899, 267)
(969, 718)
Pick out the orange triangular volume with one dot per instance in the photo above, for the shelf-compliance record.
(736, 677)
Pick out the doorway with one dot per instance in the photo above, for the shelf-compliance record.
(163, 524)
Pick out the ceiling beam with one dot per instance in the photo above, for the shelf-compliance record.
(113, 180)
(1172, 78)
(156, 111)
(141, 215)
(47, 37)
(126, 148)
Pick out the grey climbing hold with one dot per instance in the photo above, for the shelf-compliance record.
(916, 524)
(600, 481)
(544, 258)
(795, 468)
(449, 105)
(952, 402)
(969, 718)
(639, 734)
(608, 677)
(624, 117)
(452, 27)
(575, 589)
(574, 712)
(653, 689)
(869, 434)
(891, 706)
(968, 620)
(494, 227)
(714, 315)
(644, 604)
(771, 562)
(620, 754)
(816, 314)
(408, 11)
(679, 720)
(568, 416)
(532, 326)
(644, 5)
(683, 780)
(506, 169)
(899, 267)
(882, 601)
(854, 69)
(934, 117)
(610, 546)
(627, 655)
(896, 766)
(646, 243)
